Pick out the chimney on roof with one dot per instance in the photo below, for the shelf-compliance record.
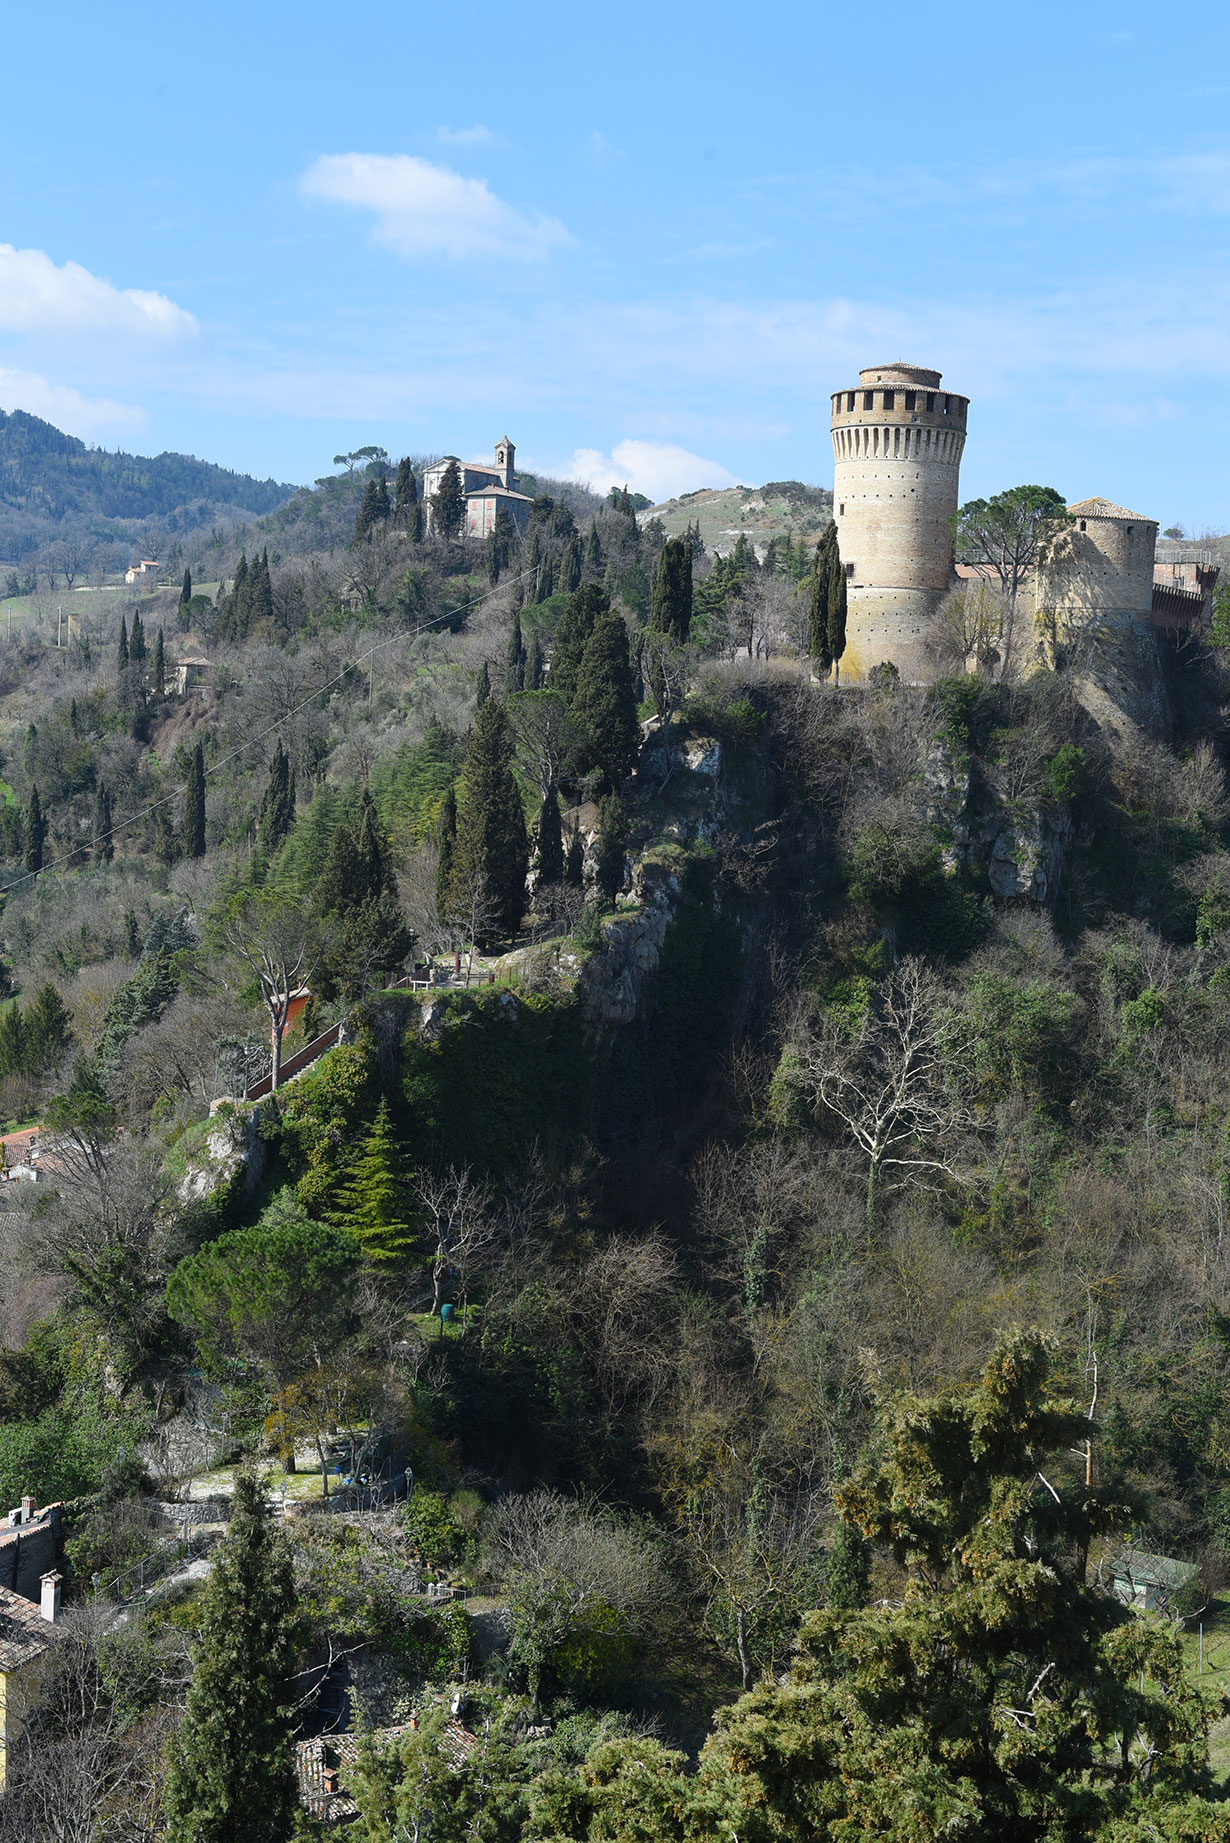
(27, 1510)
(49, 1599)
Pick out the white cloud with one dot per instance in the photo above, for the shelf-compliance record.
(88, 417)
(478, 136)
(426, 210)
(660, 470)
(37, 295)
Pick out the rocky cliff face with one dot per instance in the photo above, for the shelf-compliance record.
(1021, 847)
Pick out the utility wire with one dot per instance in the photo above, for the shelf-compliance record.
(351, 665)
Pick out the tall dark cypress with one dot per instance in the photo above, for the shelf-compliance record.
(160, 665)
(533, 663)
(104, 847)
(278, 805)
(232, 1764)
(549, 840)
(576, 624)
(368, 512)
(384, 510)
(136, 643)
(448, 507)
(605, 698)
(574, 862)
(593, 552)
(185, 594)
(514, 659)
(405, 492)
(121, 656)
(482, 691)
(818, 606)
(36, 832)
(194, 806)
(570, 566)
(837, 610)
(492, 845)
(670, 606)
(260, 596)
(446, 836)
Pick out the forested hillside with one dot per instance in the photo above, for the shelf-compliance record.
(54, 491)
(747, 1274)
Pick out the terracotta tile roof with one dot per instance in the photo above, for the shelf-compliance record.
(24, 1633)
(321, 1764)
(1106, 508)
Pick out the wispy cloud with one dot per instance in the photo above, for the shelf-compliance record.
(478, 136)
(38, 295)
(88, 417)
(658, 469)
(426, 210)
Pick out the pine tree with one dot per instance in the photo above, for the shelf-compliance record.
(405, 492)
(36, 832)
(232, 1768)
(612, 845)
(446, 835)
(194, 806)
(48, 1028)
(605, 699)
(549, 840)
(369, 511)
(278, 804)
(593, 552)
(448, 507)
(482, 691)
(514, 659)
(570, 566)
(185, 594)
(121, 656)
(374, 1204)
(575, 626)
(818, 606)
(14, 1049)
(160, 665)
(670, 605)
(104, 847)
(492, 847)
(533, 663)
(574, 863)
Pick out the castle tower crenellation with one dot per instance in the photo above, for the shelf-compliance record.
(897, 444)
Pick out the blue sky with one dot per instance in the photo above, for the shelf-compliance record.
(645, 243)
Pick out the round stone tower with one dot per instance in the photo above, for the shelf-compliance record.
(897, 444)
(1101, 567)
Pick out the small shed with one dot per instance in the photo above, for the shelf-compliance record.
(189, 675)
(1152, 1583)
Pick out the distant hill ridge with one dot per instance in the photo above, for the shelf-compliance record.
(781, 508)
(48, 478)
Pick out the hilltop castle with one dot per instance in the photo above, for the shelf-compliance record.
(898, 439)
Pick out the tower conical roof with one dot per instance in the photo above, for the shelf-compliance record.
(1106, 508)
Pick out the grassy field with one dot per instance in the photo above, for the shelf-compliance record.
(723, 514)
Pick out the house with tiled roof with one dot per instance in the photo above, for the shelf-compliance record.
(27, 1637)
(487, 488)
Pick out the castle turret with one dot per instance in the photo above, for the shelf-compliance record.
(897, 442)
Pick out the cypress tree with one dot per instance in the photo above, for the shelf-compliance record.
(121, 656)
(448, 507)
(260, 596)
(670, 605)
(47, 1027)
(232, 1768)
(593, 551)
(160, 665)
(612, 844)
(482, 690)
(533, 663)
(514, 659)
(414, 523)
(278, 804)
(405, 492)
(162, 840)
(570, 566)
(29, 745)
(818, 606)
(14, 1049)
(374, 1204)
(576, 624)
(136, 644)
(605, 698)
(546, 579)
(549, 840)
(194, 806)
(491, 837)
(574, 863)
(368, 512)
(36, 832)
(847, 1575)
(837, 610)
(384, 510)
(104, 848)
(185, 594)
(446, 835)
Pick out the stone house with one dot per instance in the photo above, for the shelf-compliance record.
(29, 1547)
(486, 487)
(145, 573)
